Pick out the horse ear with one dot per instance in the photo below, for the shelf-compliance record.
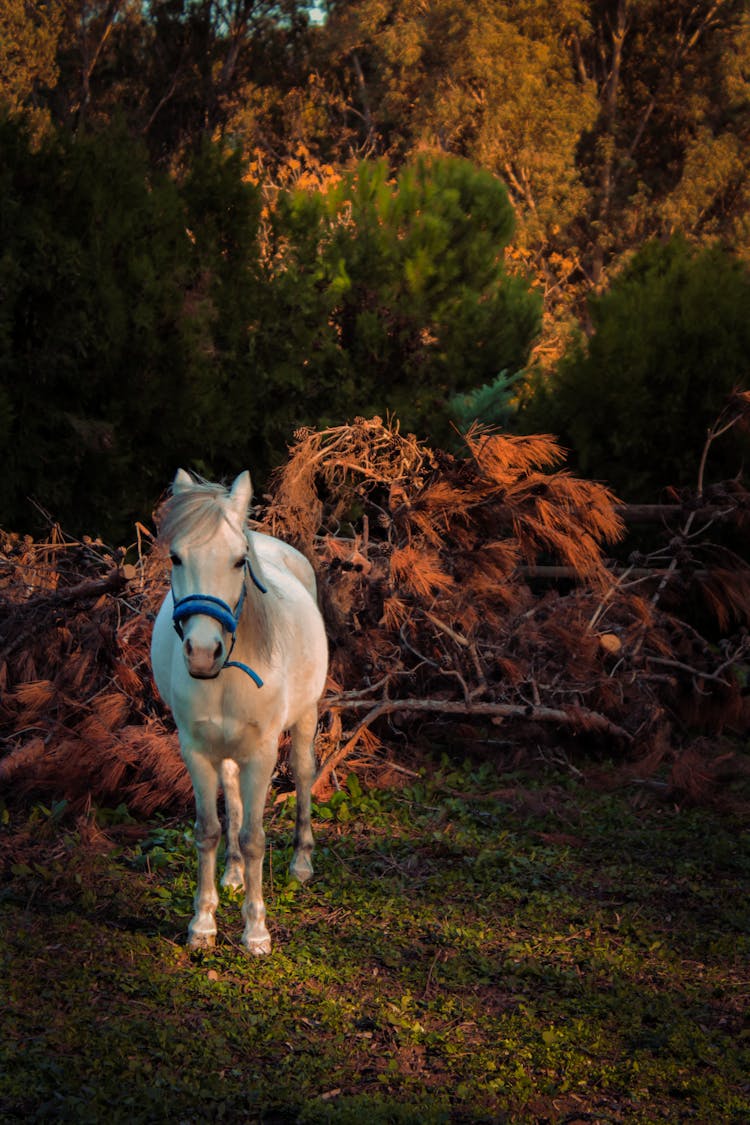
(241, 494)
(182, 480)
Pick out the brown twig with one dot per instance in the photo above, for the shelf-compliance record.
(117, 578)
(719, 427)
(662, 513)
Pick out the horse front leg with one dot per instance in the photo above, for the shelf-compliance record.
(234, 865)
(303, 767)
(202, 927)
(255, 778)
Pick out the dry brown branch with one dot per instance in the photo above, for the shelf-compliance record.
(81, 592)
(664, 513)
(577, 718)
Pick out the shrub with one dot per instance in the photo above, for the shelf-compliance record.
(396, 294)
(671, 341)
(115, 325)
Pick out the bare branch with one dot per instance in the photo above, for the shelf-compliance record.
(576, 717)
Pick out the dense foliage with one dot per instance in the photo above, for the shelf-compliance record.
(609, 119)
(106, 339)
(144, 326)
(400, 291)
(236, 299)
(671, 342)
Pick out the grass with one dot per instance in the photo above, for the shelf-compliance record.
(560, 957)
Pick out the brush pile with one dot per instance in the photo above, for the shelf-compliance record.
(433, 575)
(432, 571)
(79, 720)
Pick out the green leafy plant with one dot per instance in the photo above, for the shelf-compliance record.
(397, 292)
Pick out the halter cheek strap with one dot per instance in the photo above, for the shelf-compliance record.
(208, 606)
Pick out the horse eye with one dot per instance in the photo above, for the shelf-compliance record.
(240, 563)
(175, 560)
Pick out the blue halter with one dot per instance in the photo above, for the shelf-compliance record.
(228, 618)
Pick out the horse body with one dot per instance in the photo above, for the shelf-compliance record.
(239, 655)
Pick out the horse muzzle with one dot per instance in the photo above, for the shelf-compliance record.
(204, 660)
(201, 622)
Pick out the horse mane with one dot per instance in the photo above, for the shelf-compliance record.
(197, 512)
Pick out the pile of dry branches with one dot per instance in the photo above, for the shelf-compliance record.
(78, 715)
(427, 566)
(429, 572)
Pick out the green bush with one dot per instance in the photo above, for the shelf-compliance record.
(394, 294)
(492, 404)
(671, 340)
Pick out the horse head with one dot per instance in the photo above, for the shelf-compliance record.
(209, 558)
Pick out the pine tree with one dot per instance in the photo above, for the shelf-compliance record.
(400, 293)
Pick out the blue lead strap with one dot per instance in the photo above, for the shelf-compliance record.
(245, 668)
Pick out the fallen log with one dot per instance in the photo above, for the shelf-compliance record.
(116, 579)
(555, 573)
(578, 717)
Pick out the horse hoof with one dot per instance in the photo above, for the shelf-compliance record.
(201, 941)
(301, 869)
(257, 947)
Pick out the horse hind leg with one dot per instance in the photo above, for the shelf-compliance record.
(303, 766)
(234, 864)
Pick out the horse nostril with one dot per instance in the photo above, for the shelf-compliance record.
(189, 647)
(217, 651)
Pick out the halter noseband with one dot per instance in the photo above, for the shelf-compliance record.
(208, 606)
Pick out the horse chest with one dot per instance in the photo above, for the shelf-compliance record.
(222, 723)
(217, 730)
(220, 733)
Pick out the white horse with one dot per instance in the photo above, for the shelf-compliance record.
(239, 655)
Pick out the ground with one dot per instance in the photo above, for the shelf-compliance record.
(473, 948)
